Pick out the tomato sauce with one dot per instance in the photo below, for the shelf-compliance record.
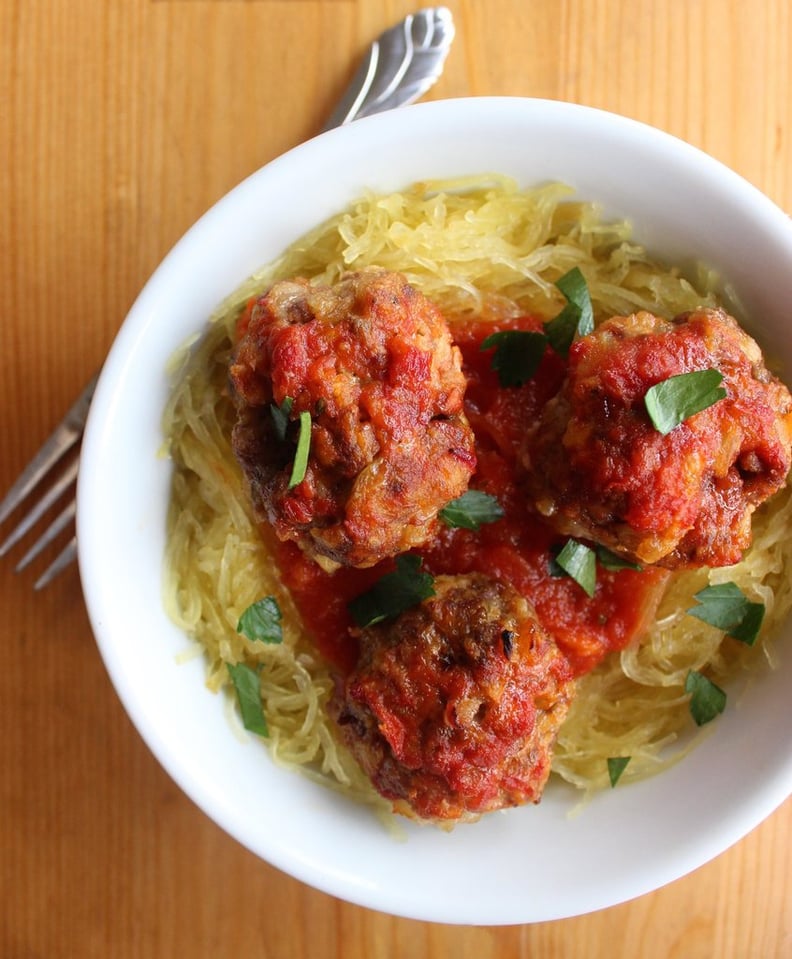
(517, 548)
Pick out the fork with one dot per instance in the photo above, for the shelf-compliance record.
(400, 66)
(64, 440)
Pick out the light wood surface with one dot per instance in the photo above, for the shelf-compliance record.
(121, 121)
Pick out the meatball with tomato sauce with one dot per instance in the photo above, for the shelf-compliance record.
(453, 708)
(370, 360)
(597, 467)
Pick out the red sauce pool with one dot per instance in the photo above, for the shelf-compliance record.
(517, 548)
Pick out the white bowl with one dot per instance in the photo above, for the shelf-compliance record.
(525, 865)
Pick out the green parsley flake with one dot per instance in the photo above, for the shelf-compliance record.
(248, 690)
(393, 593)
(280, 416)
(261, 621)
(579, 562)
(518, 354)
(677, 398)
(616, 766)
(726, 607)
(707, 701)
(576, 318)
(303, 448)
(613, 561)
(472, 510)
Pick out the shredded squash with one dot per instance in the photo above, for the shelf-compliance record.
(480, 247)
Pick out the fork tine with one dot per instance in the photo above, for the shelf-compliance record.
(63, 559)
(52, 495)
(66, 434)
(60, 522)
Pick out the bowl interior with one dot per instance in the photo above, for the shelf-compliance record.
(540, 862)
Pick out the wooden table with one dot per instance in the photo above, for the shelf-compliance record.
(120, 123)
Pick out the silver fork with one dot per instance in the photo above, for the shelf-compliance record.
(399, 67)
(64, 440)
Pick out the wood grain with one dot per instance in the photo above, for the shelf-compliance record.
(121, 123)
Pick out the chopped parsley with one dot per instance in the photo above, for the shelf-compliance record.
(616, 766)
(613, 561)
(393, 593)
(580, 562)
(518, 354)
(726, 607)
(576, 318)
(248, 690)
(303, 448)
(673, 400)
(261, 621)
(280, 416)
(472, 510)
(707, 701)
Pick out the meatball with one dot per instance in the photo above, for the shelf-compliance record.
(371, 360)
(598, 469)
(453, 708)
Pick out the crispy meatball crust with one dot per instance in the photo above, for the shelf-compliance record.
(454, 707)
(371, 359)
(597, 468)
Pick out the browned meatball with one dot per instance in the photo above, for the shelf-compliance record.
(598, 469)
(372, 361)
(454, 707)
